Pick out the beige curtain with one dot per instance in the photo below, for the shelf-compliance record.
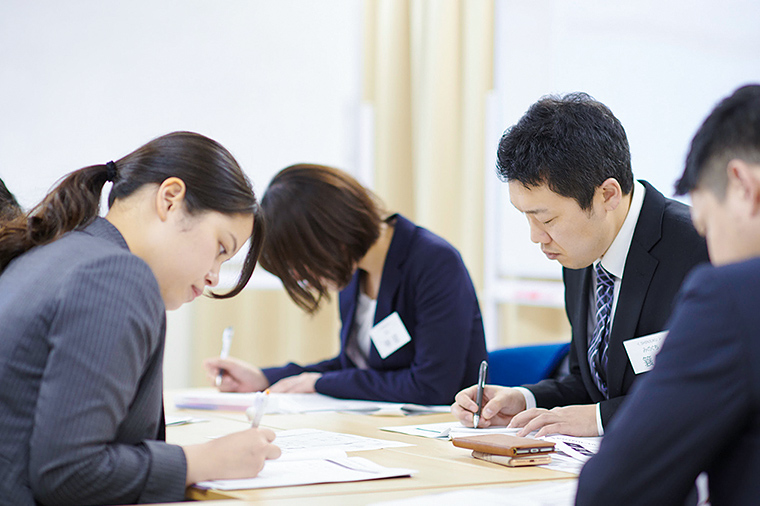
(428, 66)
(427, 69)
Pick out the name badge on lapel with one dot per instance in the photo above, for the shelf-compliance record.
(389, 335)
(642, 350)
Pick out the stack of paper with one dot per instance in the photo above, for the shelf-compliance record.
(317, 456)
(335, 469)
(447, 430)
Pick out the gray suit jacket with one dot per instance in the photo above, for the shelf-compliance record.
(81, 352)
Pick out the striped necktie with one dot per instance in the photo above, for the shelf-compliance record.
(597, 348)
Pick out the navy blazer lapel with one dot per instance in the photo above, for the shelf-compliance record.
(640, 266)
(392, 269)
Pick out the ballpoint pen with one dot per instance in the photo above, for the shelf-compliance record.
(255, 412)
(226, 343)
(482, 373)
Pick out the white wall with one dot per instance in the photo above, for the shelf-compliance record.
(84, 82)
(87, 81)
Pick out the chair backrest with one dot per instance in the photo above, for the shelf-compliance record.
(525, 365)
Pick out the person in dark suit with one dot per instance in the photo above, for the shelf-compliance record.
(699, 409)
(411, 324)
(83, 304)
(625, 250)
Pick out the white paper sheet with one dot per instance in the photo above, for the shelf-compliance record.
(572, 452)
(296, 403)
(299, 440)
(305, 472)
(447, 430)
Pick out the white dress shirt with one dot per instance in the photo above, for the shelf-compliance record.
(359, 342)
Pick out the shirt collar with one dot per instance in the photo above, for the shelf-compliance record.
(613, 260)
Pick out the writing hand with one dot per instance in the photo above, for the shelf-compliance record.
(238, 376)
(500, 404)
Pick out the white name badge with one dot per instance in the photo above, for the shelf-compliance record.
(642, 350)
(389, 335)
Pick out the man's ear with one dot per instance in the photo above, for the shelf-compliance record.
(746, 179)
(612, 194)
(170, 196)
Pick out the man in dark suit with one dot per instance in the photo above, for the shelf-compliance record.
(625, 250)
(699, 409)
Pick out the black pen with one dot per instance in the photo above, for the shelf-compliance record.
(481, 385)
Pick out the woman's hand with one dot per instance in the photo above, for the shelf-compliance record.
(237, 375)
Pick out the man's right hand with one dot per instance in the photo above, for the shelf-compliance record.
(500, 404)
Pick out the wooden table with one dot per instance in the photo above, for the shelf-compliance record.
(441, 466)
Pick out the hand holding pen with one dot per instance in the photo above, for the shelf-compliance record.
(483, 405)
(256, 411)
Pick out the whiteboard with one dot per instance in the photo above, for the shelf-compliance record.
(660, 66)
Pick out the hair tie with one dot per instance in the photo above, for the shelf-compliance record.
(111, 174)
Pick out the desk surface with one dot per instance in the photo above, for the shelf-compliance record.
(441, 466)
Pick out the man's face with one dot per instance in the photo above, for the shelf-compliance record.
(717, 222)
(730, 225)
(566, 233)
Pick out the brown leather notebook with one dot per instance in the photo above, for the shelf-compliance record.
(503, 444)
(529, 460)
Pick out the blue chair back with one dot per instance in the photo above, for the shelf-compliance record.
(525, 365)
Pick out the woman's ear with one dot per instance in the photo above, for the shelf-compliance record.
(170, 196)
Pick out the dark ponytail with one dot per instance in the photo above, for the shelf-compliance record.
(9, 207)
(214, 181)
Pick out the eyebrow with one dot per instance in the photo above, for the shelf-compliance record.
(234, 241)
(536, 211)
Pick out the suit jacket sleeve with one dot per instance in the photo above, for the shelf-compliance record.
(104, 334)
(683, 414)
(275, 374)
(440, 323)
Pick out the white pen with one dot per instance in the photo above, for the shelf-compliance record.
(226, 343)
(255, 412)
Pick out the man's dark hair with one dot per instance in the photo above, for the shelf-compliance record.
(571, 143)
(9, 207)
(732, 130)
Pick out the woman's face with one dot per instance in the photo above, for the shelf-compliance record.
(194, 250)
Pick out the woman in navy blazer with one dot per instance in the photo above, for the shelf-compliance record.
(411, 324)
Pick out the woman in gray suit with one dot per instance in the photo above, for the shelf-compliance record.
(82, 301)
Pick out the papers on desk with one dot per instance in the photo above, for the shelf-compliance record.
(447, 430)
(297, 403)
(182, 420)
(572, 452)
(559, 493)
(317, 456)
(335, 469)
(313, 440)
